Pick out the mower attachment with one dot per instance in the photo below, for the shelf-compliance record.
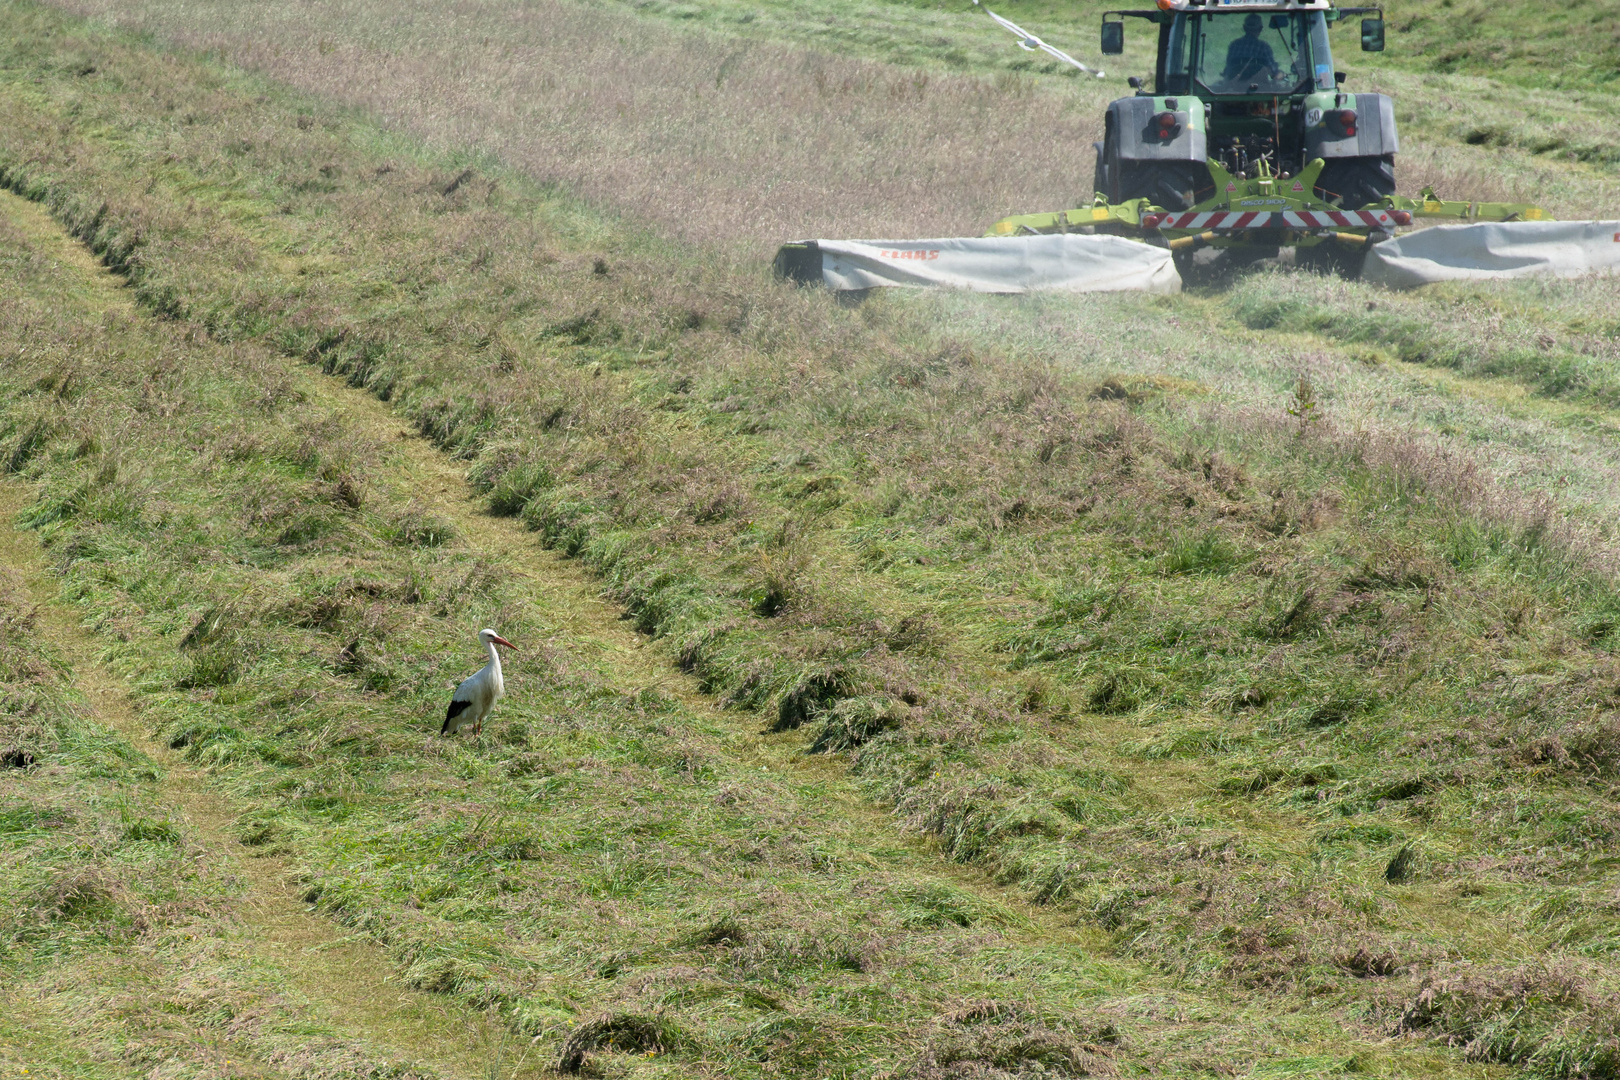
(1263, 211)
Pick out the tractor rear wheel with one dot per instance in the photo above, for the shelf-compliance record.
(1352, 183)
(1173, 185)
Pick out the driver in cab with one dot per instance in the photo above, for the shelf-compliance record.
(1247, 57)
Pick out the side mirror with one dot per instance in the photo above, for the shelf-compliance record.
(1134, 82)
(1280, 22)
(1338, 78)
(1113, 38)
(1372, 35)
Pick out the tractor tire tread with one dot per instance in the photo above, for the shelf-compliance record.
(1352, 183)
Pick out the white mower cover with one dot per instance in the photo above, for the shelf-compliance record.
(1495, 249)
(1001, 264)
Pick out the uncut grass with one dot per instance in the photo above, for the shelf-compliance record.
(1569, 46)
(1224, 546)
(768, 142)
(773, 141)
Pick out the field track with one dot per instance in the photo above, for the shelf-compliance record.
(347, 980)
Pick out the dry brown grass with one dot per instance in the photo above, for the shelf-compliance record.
(709, 139)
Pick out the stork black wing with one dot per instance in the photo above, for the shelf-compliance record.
(457, 707)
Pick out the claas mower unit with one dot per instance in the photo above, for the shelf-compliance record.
(1248, 140)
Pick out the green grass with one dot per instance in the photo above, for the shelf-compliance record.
(1540, 45)
(1067, 583)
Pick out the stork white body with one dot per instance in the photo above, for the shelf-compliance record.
(477, 694)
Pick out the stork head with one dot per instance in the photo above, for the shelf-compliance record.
(490, 637)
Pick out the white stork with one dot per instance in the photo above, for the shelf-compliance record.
(475, 697)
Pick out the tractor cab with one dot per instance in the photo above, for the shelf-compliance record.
(1245, 83)
(1227, 53)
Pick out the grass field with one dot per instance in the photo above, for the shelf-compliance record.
(1213, 684)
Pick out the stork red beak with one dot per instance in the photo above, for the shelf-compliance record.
(497, 639)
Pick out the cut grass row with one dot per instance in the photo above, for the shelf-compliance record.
(134, 939)
(1561, 340)
(614, 874)
(1143, 653)
(126, 946)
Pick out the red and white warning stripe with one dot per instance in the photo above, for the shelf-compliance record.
(1284, 219)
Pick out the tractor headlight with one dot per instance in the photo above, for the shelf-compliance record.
(1165, 124)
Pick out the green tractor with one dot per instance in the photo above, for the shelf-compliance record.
(1250, 86)
(1246, 145)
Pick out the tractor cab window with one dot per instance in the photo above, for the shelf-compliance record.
(1253, 52)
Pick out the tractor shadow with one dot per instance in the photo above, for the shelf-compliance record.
(1218, 270)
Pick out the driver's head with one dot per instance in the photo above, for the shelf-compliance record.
(1252, 24)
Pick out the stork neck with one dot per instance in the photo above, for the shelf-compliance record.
(494, 657)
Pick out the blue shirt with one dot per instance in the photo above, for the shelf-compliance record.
(1247, 57)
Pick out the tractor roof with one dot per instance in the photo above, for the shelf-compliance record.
(1262, 5)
